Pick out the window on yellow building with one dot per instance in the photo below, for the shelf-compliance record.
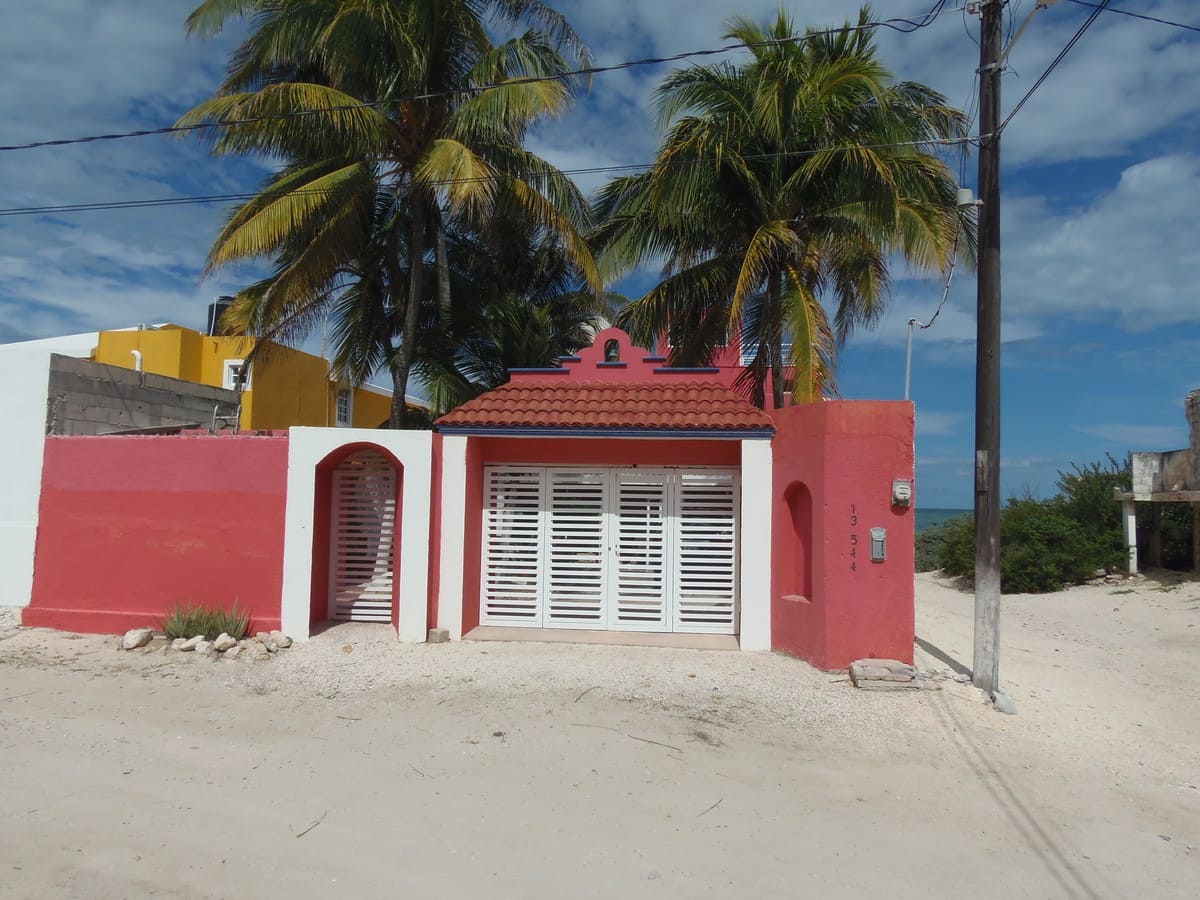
(345, 407)
(236, 371)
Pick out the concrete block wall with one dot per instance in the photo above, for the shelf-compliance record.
(89, 398)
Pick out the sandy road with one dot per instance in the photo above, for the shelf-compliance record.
(510, 770)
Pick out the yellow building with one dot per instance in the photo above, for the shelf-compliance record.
(284, 387)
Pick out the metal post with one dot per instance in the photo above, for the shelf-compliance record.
(908, 359)
(986, 664)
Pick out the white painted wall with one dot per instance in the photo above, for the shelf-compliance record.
(453, 519)
(24, 382)
(755, 588)
(306, 448)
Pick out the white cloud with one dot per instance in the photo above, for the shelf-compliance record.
(1139, 437)
(931, 423)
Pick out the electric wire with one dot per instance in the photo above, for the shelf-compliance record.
(1133, 15)
(899, 24)
(1096, 10)
(547, 173)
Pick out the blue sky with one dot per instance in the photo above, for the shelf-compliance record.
(1101, 187)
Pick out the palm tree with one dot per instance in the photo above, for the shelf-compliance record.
(531, 308)
(392, 118)
(783, 182)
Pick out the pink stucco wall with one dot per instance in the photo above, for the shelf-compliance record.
(833, 465)
(130, 526)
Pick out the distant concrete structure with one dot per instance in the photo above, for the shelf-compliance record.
(1170, 477)
(87, 397)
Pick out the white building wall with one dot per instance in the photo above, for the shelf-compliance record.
(755, 589)
(453, 519)
(306, 448)
(25, 374)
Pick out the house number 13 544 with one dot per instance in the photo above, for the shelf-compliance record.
(853, 538)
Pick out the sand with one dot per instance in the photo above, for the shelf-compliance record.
(355, 764)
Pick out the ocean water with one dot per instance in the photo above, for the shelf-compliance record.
(928, 517)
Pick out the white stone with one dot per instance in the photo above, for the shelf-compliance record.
(204, 647)
(178, 643)
(137, 637)
(1003, 703)
(281, 640)
(224, 642)
(190, 643)
(233, 652)
(258, 651)
(262, 637)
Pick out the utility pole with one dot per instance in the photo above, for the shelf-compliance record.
(986, 663)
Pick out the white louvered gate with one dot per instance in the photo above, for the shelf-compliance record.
(640, 551)
(512, 546)
(576, 548)
(622, 549)
(362, 531)
(706, 505)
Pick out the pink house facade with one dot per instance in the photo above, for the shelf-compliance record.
(612, 494)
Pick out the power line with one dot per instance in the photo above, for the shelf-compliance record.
(1096, 10)
(550, 173)
(1133, 15)
(901, 25)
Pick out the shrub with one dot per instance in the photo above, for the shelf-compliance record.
(931, 543)
(1086, 497)
(189, 620)
(1043, 549)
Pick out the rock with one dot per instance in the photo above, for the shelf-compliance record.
(281, 640)
(270, 645)
(438, 635)
(962, 678)
(1003, 703)
(258, 651)
(190, 643)
(178, 643)
(262, 637)
(224, 642)
(233, 652)
(204, 647)
(137, 637)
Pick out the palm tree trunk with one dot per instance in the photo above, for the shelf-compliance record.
(402, 362)
(443, 267)
(775, 304)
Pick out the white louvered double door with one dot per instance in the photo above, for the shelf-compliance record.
(620, 549)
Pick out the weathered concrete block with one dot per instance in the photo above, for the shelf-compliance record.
(438, 636)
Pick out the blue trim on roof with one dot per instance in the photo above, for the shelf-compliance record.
(654, 359)
(612, 365)
(708, 370)
(548, 370)
(570, 359)
(525, 431)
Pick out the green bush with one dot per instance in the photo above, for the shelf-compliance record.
(1043, 549)
(932, 541)
(189, 620)
(1086, 497)
(1175, 526)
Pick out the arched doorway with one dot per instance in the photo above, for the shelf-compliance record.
(362, 532)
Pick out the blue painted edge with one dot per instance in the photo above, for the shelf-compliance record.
(708, 370)
(524, 431)
(654, 359)
(612, 365)
(570, 359)
(549, 370)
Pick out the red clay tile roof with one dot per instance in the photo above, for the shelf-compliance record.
(596, 406)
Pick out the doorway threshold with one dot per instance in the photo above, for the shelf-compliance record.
(611, 638)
